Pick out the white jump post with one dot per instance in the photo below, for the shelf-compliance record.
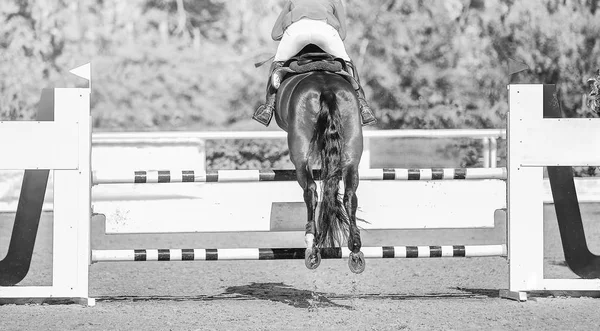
(64, 146)
(535, 142)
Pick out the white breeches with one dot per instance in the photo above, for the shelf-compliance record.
(307, 31)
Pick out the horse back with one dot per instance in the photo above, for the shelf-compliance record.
(293, 90)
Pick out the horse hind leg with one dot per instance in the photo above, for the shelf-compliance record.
(305, 178)
(356, 262)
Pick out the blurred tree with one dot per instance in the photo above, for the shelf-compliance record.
(559, 41)
(31, 51)
(426, 65)
(183, 64)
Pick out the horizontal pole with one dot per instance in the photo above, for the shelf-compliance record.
(142, 255)
(198, 176)
(180, 136)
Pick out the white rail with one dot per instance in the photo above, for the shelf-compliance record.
(488, 137)
(111, 137)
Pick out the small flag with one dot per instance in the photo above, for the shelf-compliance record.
(84, 71)
(515, 66)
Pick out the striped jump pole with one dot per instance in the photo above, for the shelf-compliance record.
(385, 252)
(197, 176)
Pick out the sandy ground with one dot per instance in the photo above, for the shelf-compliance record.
(433, 294)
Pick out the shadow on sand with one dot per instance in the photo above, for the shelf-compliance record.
(298, 298)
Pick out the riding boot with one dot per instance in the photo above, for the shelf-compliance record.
(264, 113)
(366, 114)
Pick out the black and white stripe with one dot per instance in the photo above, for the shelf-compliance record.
(294, 253)
(190, 176)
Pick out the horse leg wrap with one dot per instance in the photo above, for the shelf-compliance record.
(309, 240)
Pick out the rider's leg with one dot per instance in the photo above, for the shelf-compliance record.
(329, 40)
(264, 113)
(365, 111)
(292, 41)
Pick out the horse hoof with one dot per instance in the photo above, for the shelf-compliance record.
(356, 262)
(312, 260)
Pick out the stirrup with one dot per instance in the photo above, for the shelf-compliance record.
(366, 114)
(263, 114)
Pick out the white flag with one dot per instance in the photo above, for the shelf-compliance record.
(83, 71)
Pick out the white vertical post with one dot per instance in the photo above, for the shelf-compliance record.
(365, 161)
(493, 152)
(201, 143)
(535, 142)
(486, 152)
(525, 191)
(72, 202)
(71, 253)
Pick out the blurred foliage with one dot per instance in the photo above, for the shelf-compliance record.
(246, 154)
(189, 64)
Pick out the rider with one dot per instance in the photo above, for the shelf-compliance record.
(303, 22)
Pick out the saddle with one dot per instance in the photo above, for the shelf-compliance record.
(314, 61)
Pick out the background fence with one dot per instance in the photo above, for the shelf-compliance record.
(488, 137)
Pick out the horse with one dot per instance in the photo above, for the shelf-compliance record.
(319, 110)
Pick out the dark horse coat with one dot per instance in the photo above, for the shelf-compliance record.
(320, 112)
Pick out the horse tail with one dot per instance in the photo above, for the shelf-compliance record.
(327, 141)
